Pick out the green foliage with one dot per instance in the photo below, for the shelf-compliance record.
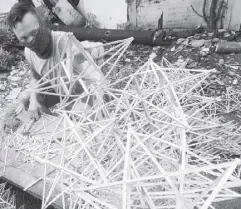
(7, 37)
(9, 54)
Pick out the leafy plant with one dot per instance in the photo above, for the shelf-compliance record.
(10, 54)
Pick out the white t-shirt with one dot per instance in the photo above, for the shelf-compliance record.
(60, 40)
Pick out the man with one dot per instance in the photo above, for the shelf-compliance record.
(43, 49)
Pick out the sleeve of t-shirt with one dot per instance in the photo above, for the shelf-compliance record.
(95, 49)
(82, 66)
(63, 45)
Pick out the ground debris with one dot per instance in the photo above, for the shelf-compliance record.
(14, 93)
(223, 82)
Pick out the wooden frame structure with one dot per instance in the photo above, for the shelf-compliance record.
(147, 146)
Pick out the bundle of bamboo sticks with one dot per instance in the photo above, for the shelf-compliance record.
(148, 146)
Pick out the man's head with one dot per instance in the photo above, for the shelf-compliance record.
(30, 31)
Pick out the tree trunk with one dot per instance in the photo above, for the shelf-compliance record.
(95, 34)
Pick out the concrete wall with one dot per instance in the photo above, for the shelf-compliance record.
(145, 13)
(233, 18)
(177, 13)
(110, 13)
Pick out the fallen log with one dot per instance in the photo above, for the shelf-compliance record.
(228, 47)
(95, 34)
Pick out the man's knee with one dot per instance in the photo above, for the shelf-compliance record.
(24, 98)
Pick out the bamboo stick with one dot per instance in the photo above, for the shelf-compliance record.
(221, 181)
(126, 174)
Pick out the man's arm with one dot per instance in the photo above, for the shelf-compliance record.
(34, 105)
(89, 72)
(80, 64)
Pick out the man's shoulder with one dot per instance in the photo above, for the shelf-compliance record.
(59, 38)
(58, 33)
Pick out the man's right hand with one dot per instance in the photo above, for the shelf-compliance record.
(35, 110)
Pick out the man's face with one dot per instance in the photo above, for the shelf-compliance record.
(27, 30)
(32, 34)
